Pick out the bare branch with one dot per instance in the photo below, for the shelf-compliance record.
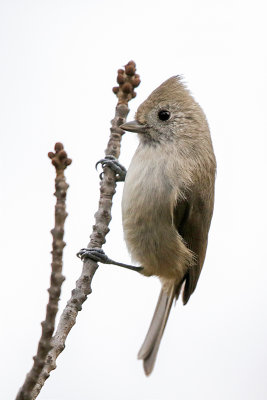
(60, 161)
(127, 80)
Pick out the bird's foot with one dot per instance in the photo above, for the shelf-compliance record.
(95, 254)
(113, 163)
(98, 255)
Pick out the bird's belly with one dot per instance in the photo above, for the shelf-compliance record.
(150, 235)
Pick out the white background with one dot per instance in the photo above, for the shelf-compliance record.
(58, 65)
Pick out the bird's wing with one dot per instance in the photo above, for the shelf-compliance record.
(192, 220)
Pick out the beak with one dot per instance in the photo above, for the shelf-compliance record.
(134, 126)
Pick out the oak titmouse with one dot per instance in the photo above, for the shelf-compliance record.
(168, 198)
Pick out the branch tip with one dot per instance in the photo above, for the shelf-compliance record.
(60, 158)
(127, 80)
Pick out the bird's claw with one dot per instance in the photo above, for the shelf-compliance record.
(113, 163)
(95, 254)
(98, 255)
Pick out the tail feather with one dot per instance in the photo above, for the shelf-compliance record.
(149, 349)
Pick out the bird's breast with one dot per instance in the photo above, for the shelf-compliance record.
(147, 190)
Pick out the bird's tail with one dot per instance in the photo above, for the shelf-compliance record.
(149, 349)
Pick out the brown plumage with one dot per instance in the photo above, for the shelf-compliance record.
(168, 199)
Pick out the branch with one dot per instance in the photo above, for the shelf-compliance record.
(60, 161)
(127, 80)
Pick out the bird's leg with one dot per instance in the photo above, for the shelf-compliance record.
(113, 163)
(98, 255)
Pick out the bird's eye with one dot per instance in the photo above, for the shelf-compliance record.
(164, 115)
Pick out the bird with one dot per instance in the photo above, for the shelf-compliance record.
(168, 199)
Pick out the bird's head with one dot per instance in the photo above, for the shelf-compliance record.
(169, 113)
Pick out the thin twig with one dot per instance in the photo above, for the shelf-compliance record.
(127, 80)
(60, 161)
